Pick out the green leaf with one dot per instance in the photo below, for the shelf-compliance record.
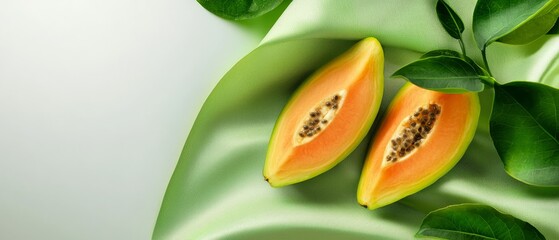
(494, 19)
(555, 28)
(525, 130)
(533, 29)
(443, 73)
(442, 52)
(239, 9)
(450, 20)
(451, 53)
(475, 222)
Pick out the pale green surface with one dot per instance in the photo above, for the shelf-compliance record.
(218, 192)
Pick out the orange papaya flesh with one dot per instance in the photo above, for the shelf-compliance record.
(423, 135)
(327, 117)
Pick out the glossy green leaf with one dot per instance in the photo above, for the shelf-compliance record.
(494, 19)
(525, 130)
(475, 222)
(451, 53)
(239, 9)
(480, 71)
(555, 28)
(217, 190)
(450, 20)
(442, 52)
(538, 26)
(443, 73)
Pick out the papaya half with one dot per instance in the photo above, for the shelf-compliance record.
(423, 135)
(328, 116)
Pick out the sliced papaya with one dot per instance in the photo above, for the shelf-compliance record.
(423, 135)
(327, 116)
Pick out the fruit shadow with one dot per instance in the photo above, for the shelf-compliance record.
(398, 213)
(411, 211)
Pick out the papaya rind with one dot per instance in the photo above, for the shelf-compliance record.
(378, 75)
(470, 131)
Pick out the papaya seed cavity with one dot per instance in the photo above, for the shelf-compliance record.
(319, 117)
(412, 132)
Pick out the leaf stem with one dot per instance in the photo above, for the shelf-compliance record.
(485, 61)
(488, 80)
(462, 46)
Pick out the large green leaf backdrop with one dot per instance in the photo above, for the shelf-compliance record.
(217, 190)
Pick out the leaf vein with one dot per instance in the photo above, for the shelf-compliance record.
(531, 116)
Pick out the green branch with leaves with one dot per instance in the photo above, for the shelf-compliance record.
(525, 115)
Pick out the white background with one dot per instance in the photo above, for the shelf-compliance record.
(96, 101)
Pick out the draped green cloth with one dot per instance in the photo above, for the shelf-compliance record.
(217, 190)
